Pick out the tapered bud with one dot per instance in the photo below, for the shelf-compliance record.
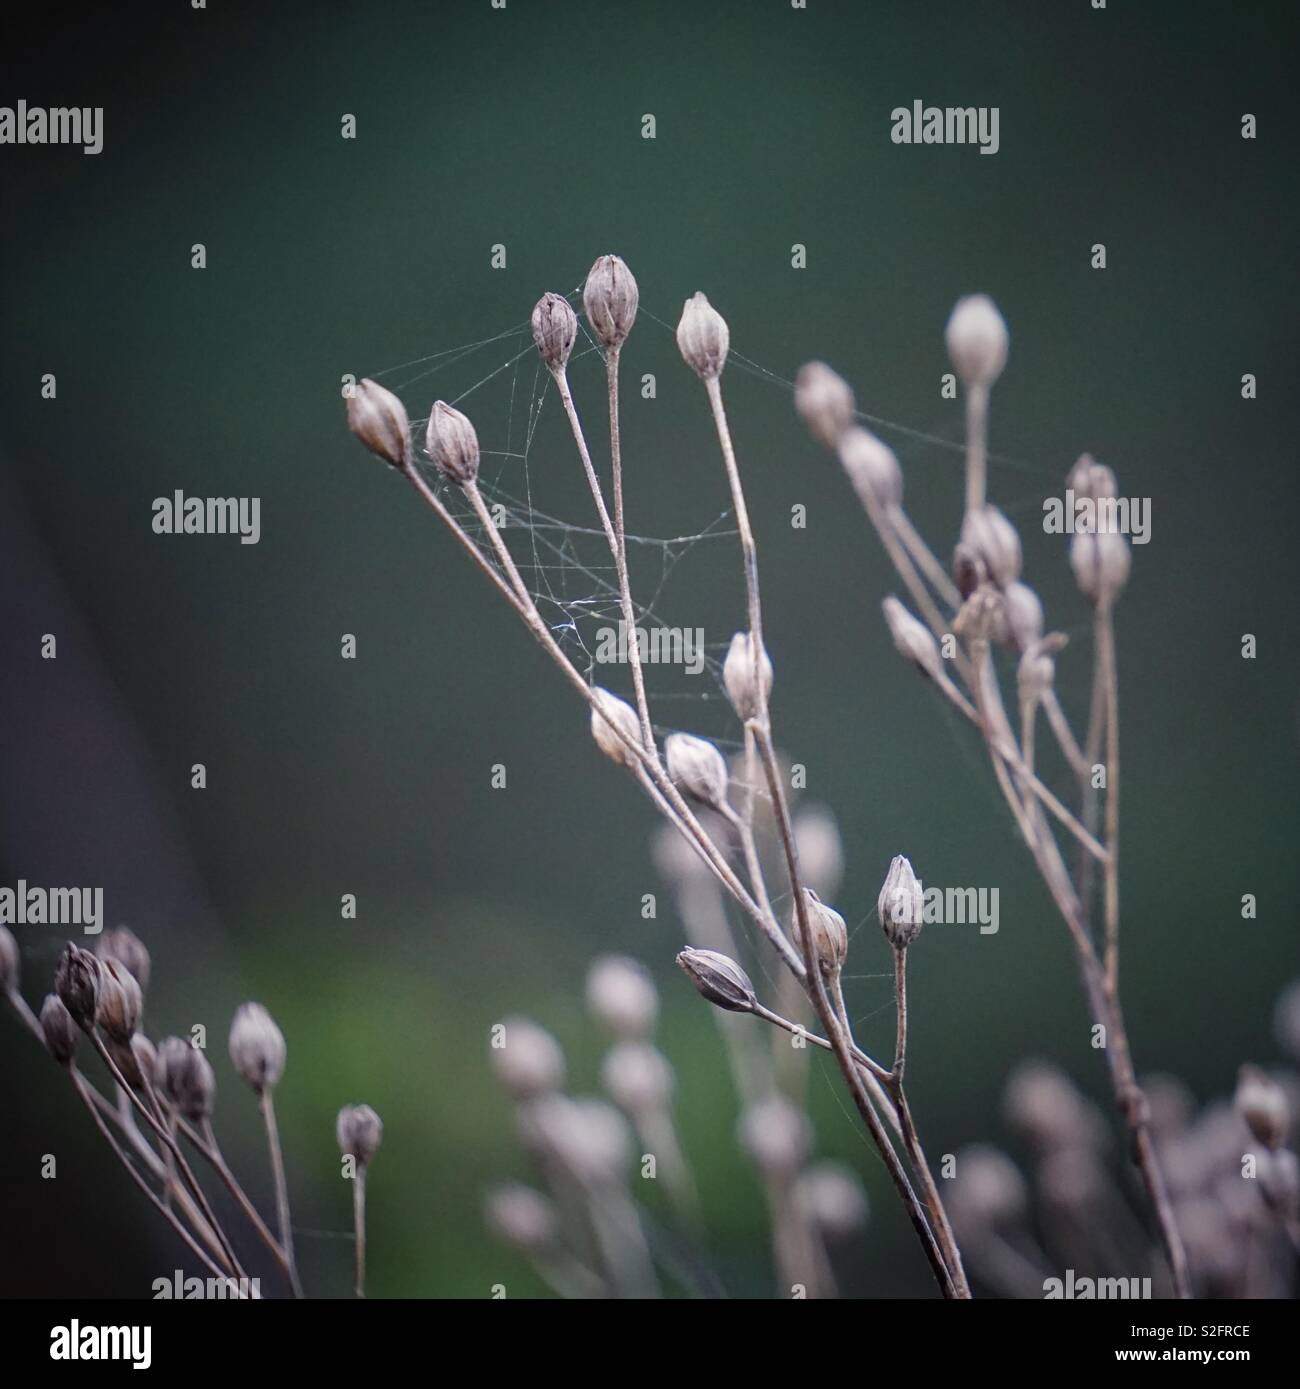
(257, 1048)
(871, 467)
(993, 538)
(914, 640)
(637, 1077)
(738, 676)
(703, 337)
(719, 978)
(122, 944)
(76, 981)
(378, 419)
(183, 1075)
(830, 936)
(527, 1059)
(452, 444)
(8, 960)
(697, 767)
(824, 401)
(521, 1217)
(977, 340)
(608, 709)
(120, 1001)
(360, 1131)
(1261, 1102)
(555, 329)
(775, 1133)
(1024, 614)
(1100, 563)
(901, 905)
(60, 1031)
(610, 298)
(622, 995)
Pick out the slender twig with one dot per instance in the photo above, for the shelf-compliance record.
(1109, 678)
(977, 417)
(267, 1106)
(359, 1224)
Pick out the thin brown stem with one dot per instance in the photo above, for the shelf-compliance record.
(1106, 660)
(359, 1225)
(267, 1105)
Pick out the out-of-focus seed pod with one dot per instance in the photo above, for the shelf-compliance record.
(622, 995)
(993, 538)
(1101, 564)
(1024, 613)
(977, 340)
(9, 966)
(183, 1075)
(60, 1031)
(1261, 1102)
(775, 1134)
(528, 1061)
(833, 1199)
(637, 1077)
(359, 1131)
(122, 944)
(824, 401)
(522, 1218)
(120, 1002)
(257, 1047)
(988, 1188)
(821, 851)
(872, 467)
(912, 638)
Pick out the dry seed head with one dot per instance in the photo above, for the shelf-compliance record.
(521, 1218)
(977, 340)
(609, 709)
(59, 1030)
(912, 638)
(610, 298)
(257, 1046)
(637, 1077)
(738, 676)
(622, 995)
(555, 329)
(76, 981)
(529, 1062)
(901, 905)
(821, 852)
(824, 401)
(452, 444)
(378, 419)
(360, 1131)
(697, 767)
(719, 978)
(1100, 563)
(120, 1001)
(872, 467)
(830, 936)
(833, 1199)
(775, 1134)
(993, 538)
(182, 1073)
(703, 337)
(122, 944)
(1261, 1102)
(8, 960)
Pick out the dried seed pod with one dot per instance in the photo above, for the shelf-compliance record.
(901, 905)
(993, 538)
(360, 1131)
(622, 995)
(76, 981)
(703, 337)
(775, 1134)
(608, 709)
(555, 329)
(120, 1002)
(637, 1077)
(824, 401)
(872, 467)
(610, 298)
(1024, 613)
(977, 340)
(183, 1075)
(9, 967)
(912, 638)
(452, 444)
(697, 767)
(1101, 563)
(257, 1047)
(59, 1030)
(1261, 1102)
(378, 419)
(738, 677)
(521, 1218)
(144, 1056)
(719, 978)
(833, 1199)
(529, 1061)
(830, 936)
(122, 944)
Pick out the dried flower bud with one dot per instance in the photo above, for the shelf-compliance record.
(528, 1061)
(120, 1001)
(637, 1077)
(697, 767)
(622, 995)
(1091, 479)
(522, 1218)
(360, 1131)
(901, 905)
(872, 467)
(122, 944)
(824, 401)
(719, 978)
(830, 936)
(821, 854)
(60, 1031)
(610, 298)
(1100, 563)
(912, 638)
(452, 444)
(76, 981)
(977, 340)
(775, 1134)
(738, 676)
(703, 337)
(608, 709)
(833, 1199)
(993, 538)
(1024, 614)
(555, 329)
(1261, 1102)
(378, 419)
(185, 1078)
(257, 1047)
(8, 960)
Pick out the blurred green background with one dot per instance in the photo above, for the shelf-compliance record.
(522, 126)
